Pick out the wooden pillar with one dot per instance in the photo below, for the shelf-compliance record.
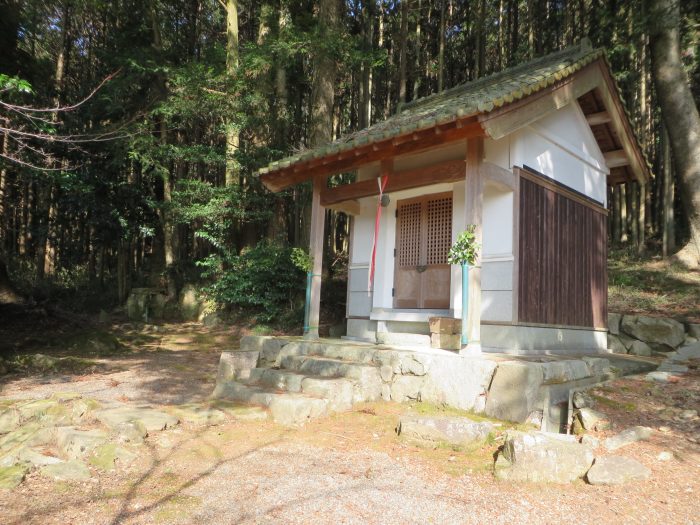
(473, 209)
(316, 238)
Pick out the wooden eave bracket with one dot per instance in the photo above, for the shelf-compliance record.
(497, 175)
(616, 159)
(596, 119)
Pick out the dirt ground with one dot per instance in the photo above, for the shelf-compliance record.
(348, 468)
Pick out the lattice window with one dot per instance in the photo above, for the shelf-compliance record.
(439, 229)
(409, 234)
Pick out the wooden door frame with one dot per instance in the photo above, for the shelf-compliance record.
(423, 238)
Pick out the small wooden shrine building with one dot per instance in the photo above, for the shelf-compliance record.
(527, 156)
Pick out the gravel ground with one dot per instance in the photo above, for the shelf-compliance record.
(175, 365)
(349, 468)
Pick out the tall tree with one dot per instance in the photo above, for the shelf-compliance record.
(679, 113)
(232, 62)
(325, 71)
(403, 44)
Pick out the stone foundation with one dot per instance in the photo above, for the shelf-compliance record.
(646, 336)
(342, 373)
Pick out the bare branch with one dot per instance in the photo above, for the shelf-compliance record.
(34, 166)
(56, 109)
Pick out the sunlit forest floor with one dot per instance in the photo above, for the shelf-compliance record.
(652, 286)
(348, 468)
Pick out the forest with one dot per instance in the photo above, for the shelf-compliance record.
(131, 131)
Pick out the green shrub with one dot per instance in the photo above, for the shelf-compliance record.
(262, 281)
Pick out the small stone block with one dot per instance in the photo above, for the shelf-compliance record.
(446, 341)
(445, 325)
(237, 364)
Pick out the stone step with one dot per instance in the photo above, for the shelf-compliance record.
(340, 392)
(286, 408)
(337, 390)
(287, 380)
(368, 382)
(403, 339)
(346, 352)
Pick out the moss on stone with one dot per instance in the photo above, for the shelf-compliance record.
(10, 477)
(108, 456)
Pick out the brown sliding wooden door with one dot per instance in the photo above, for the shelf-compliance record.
(563, 256)
(423, 237)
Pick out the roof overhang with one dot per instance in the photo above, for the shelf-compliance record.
(290, 173)
(506, 115)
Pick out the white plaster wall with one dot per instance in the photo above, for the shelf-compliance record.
(498, 152)
(359, 298)
(496, 255)
(561, 146)
(361, 238)
(498, 222)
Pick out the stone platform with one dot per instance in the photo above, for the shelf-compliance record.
(299, 379)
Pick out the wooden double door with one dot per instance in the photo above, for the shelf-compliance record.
(423, 238)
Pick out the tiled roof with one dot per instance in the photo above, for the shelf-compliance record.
(472, 98)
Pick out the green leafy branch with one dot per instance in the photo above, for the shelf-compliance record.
(465, 249)
(302, 260)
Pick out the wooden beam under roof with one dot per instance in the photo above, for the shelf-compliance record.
(596, 119)
(449, 171)
(352, 159)
(616, 158)
(501, 176)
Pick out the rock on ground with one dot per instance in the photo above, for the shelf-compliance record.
(542, 457)
(668, 366)
(199, 415)
(109, 456)
(659, 377)
(631, 435)
(10, 477)
(639, 348)
(691, 351)
(618, 344)
(130, 432)
(432, 431)
(615, 470)
(153, 420)
(582, 399)
(9, 420)
(73, 470)
(654, 330)
(614, 323)
(75, 444)
(592, 419)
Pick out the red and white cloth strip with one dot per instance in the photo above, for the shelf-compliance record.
(381, 182)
